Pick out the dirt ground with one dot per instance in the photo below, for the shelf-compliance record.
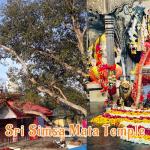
(40, 144)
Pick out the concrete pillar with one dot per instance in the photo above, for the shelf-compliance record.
(96, 97)
(109, 29)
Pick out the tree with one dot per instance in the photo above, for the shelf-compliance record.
(47, 38)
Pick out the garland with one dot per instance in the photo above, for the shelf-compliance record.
(136, 93)
(99, 70)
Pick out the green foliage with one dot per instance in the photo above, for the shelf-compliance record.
(75, 96)
(28, 27)
(49, 103)
(31, 96)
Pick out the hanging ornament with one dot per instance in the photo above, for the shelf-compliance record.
(137, 33)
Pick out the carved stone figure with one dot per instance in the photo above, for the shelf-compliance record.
(125, 93)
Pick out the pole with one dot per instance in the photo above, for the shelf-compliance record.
(109, 29)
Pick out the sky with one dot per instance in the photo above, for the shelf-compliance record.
(3, 71)
(2, 3)
(3, 68)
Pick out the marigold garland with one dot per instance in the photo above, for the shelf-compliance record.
(126, 118)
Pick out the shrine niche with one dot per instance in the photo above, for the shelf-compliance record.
(120, 64)
(107, 6)
(119, 46)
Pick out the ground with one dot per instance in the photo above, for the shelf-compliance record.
(42, 143)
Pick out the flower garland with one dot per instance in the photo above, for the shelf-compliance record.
(138, 139)
(144, 139)
(138, 81)
(117, 118)
(127, 118)
(98, 72)
(116, 121)
(129, 112)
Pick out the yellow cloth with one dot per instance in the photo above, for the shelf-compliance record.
(95, 71)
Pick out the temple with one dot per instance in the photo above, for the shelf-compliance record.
(119, 68)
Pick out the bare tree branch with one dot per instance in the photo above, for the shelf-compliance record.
(61, 92)
(64, 101)
(68, 67)
(79, 35)
(84, 30)
(9, 50)
(42, 88)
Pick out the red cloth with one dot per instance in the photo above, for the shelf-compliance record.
(141, 98)
(98, 48)
(147, 62)
(109, 67)
(98, 63)
(112, 90)
(148, 96)
(84, 123)
(147, 44)
(34, 137)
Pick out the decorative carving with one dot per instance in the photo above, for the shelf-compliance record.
(107, 6)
